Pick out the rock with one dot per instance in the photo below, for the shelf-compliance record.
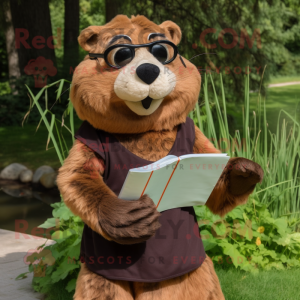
(12, 172)
(39, 173)
(48, 180)
(26, 176)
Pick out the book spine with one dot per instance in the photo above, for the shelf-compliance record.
(146, 184)
(168, 182)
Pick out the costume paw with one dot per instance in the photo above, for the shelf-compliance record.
(129, 221)
(243, 175)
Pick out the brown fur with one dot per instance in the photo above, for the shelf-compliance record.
(150, 137)
(232, 189)
(199, 284)
(79, 185)
(236, 183)
(152, 145)
(91, 286)
(92, 86)
(86, 194)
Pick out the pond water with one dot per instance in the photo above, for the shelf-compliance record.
(23, 209)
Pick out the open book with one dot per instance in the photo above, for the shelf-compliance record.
(173, 181)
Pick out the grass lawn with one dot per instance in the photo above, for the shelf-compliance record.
(277, 98)
(282, 79)
(285, 97)
(236, 285)
(267, 285)
(26, 146)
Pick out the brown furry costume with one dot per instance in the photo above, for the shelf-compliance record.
(94, 97)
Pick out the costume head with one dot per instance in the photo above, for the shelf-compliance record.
(142, 93)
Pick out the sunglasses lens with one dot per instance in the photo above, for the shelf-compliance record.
(162, 52)
(120, 56)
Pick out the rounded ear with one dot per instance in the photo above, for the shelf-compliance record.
(173, 29)
(88, 37)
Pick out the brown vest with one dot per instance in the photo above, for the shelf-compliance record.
(176, 249)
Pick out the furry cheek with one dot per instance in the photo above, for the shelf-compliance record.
(163, 85)
(128, 86)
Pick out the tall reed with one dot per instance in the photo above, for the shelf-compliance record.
(277, 152)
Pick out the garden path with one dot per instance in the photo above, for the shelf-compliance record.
(283, 84)
(14, 247)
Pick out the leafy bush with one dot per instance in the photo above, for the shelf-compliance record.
(67, 234)
(249, 238)
(65, 228)
(291, 67)
(4, 88)
(14, 104)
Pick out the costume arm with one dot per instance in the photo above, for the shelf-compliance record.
(82, 187)
(236, 182)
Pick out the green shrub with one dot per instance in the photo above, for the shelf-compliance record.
(4, 88)
(249, 238)
(15, 104)
(67, 234)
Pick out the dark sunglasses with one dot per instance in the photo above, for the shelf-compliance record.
(118, 56)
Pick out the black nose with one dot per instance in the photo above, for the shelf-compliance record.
(147, 72)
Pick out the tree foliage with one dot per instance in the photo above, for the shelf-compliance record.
(273, 26)
(274, 20)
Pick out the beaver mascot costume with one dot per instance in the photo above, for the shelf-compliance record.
(134, 98)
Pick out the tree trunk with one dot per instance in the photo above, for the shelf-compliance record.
(33, 32)
(112, 8)
(71, 50)
(12, 53)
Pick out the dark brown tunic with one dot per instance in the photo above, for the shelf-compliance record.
(176, 249)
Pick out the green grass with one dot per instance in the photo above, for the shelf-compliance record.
(276, 151)
(267, 285)
(26, 146)
(282, 79)
(50, 144)
(277, 98)
(58, 292)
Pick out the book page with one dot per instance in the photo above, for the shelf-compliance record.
(134, 185)
(158, 182)
(136, 182)
(193, 181)
(157, 164)
(190, 184)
